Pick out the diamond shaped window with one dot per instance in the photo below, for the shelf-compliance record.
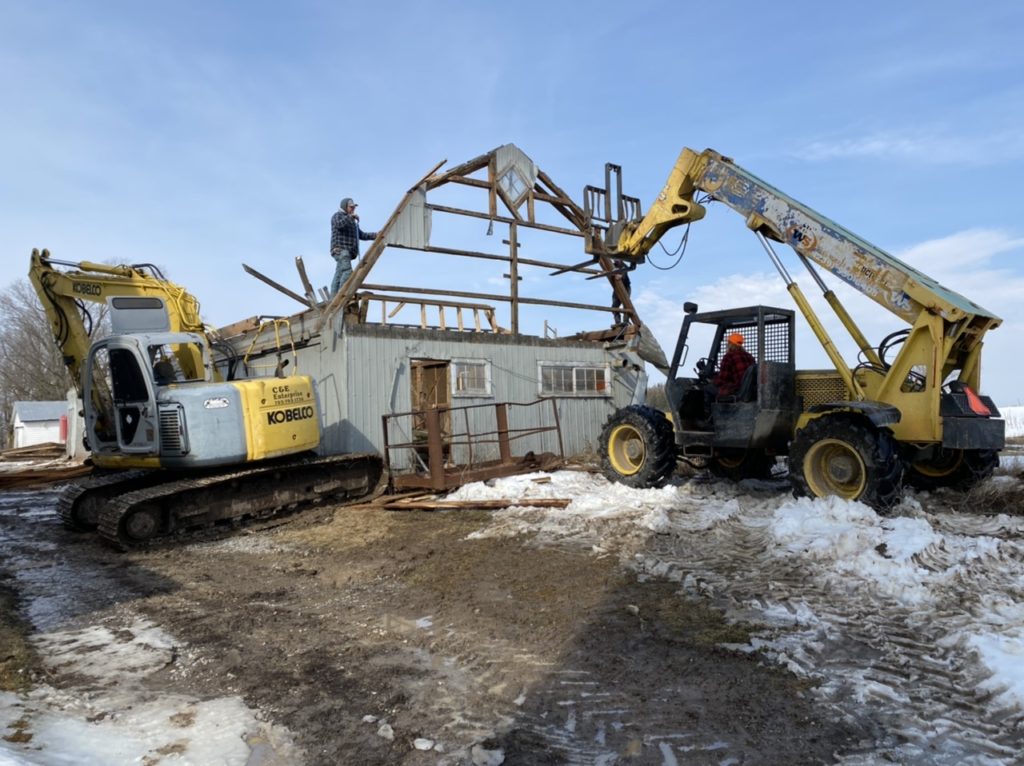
(513, 184)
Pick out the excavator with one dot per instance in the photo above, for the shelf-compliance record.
(182, 435)
(909, 411)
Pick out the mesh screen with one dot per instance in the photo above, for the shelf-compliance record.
(776, 341)
(820, 388)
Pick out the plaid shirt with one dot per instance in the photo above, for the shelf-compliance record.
(345, 234)
(730, 371)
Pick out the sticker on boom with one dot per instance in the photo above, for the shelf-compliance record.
(289, 416)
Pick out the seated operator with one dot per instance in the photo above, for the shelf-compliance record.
(730, 371)
(163, 372)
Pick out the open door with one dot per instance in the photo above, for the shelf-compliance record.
(119, 401)
(431, 389)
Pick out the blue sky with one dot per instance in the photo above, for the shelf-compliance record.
(201, 135)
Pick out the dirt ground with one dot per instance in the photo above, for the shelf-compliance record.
(363, 630)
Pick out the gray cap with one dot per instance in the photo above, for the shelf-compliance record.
(346, 202)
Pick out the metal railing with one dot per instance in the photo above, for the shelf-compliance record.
(435, 445)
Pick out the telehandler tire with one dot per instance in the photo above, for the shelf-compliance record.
(638, 447)
(848, 458)
(956, 468)
(742, 464)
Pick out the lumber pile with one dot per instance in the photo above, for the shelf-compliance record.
(40, 477)
(46, 451)
(434, 503)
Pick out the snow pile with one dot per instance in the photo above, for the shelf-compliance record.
(597, 508)
(1014, 417)
(852, 547)
(110, 717)
(932, 590)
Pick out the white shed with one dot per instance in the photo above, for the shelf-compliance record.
(39, 423)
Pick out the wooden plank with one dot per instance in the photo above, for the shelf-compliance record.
(276, 286)
(504, 219)
(240, 327)
(489, 297)
(504, 258)
(477, 505)
(306, 284)
(373, 253)
(41, 476)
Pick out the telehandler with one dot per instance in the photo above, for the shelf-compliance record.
(910, 410)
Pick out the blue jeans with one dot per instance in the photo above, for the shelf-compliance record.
(342, 271)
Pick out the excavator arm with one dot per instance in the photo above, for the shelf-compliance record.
(62, 294)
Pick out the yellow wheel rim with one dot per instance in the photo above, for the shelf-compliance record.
(729, 461)
(945, 464)
(833, 467)
(626, 450)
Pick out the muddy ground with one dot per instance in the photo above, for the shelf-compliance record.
(346, 619)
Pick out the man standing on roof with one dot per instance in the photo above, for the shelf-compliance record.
(730, 371)
(345, 236)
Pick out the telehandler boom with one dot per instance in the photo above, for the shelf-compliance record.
(857, 431)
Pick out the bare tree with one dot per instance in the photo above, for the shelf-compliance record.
(31, 366)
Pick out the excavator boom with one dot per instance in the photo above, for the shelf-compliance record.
(62, 291)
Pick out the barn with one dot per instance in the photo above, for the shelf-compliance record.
(485, 372)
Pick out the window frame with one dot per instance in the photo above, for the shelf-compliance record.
(486, 393)
(575, 367)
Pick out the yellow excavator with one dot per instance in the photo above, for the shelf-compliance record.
(181, 437)
(909, 411)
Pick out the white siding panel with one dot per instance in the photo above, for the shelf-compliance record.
(364, 374)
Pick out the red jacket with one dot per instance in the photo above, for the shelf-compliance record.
(730, 371)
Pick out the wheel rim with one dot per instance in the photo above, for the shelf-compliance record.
(833, 467)
(727, 460)
(626, 450)
(142, 524)
(946, 464)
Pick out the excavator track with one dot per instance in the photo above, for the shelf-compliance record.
(158, 513)
(79, 505)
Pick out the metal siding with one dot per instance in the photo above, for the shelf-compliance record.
(353, 397)
(412, 227)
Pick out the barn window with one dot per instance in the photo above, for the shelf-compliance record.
(471, 377)
(574, 380)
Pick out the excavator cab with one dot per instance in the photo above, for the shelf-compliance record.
(123, 380)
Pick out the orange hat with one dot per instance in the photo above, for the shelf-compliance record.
(736, 338)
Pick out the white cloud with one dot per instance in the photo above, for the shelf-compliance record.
(946, 257)
(932, 147)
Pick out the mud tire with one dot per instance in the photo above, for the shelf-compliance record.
(958, 469)
(848, 458)
(638, 447)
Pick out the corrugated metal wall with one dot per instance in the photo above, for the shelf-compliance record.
(364, 373)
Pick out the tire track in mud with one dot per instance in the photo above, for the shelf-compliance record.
(563, 714)
(910, 668)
